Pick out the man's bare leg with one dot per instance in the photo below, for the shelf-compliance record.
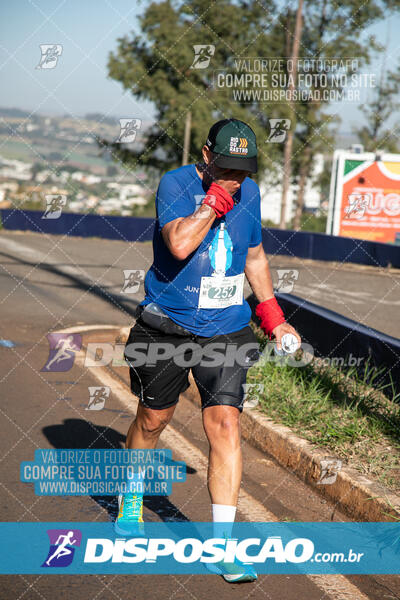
(143, 434)
(147, 427)
(222, 427)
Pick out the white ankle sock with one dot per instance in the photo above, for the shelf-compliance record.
(223, 519)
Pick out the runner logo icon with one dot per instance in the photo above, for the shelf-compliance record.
(97, 397)
(128, 130)
(50, 54)
(286, 280)
(133, 279)
(62, 547)
(62, 351)
(202, 55)
(278, 130)
(54, 206)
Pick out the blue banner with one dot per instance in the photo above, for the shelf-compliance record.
(81, 472)
(186, 548)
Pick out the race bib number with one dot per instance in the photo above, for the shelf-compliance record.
(221, 292)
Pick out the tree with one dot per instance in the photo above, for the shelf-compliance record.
(375, 135)
(287, 163)
(330, 30)
(36, 168)
(314, 136)
(156, 66)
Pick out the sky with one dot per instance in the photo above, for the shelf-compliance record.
(88, 31)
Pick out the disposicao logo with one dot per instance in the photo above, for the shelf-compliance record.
(63, 347)
(62, 547)
(191, 550)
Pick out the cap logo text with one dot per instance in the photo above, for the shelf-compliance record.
(238, 146)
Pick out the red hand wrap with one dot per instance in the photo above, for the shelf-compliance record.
(218, 199)
(270, 314)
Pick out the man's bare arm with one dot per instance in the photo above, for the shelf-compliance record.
(258, 273)
(183, 235)
(259, 277)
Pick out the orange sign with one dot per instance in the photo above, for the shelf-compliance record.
(369, 206)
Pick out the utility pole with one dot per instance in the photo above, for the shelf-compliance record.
(287, 155)
(186, 139)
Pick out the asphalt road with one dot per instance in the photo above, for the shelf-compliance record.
(369, 295)
(50, 283)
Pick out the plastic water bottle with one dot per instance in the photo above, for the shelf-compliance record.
(289, 343)
(154, 309)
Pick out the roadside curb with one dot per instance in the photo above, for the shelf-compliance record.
(358, 496)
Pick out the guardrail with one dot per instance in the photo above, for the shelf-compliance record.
(128, 229)
(316, 246)
(336, 337)
(321, 246)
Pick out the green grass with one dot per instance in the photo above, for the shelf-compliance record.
(338, 411)
(17, 150)
(308, 222)
(32, 151)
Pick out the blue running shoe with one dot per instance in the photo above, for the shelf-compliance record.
(233, 572)
(130, 515)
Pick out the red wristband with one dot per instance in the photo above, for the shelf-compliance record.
(218, 199)
(270, 315)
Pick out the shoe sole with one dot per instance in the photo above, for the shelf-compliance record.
(231, 578)
(138, 533)
(239, 578)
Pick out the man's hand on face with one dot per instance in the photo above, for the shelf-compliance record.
(221, 201)
(229, 179)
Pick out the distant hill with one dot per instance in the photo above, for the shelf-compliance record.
(100, 117)
(14, 113)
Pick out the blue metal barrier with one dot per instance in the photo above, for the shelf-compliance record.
(321, 246)
(317, 246)
(335, 336)
(129, 229)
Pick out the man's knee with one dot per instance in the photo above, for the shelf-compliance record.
(223, 427)
(151, 423)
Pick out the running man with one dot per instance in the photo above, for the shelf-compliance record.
(207, 238)
(56, 204)
(99, 397)
(50, 55)
(64, 347)
(128, 129)
(204, 55)
(280, 128)
(62, 549)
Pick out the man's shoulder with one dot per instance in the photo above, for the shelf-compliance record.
(251, 185)
(250, 190)
(178, 175)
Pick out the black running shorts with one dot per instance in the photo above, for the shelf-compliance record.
(160, 362)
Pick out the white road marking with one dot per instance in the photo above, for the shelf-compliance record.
(80, 328)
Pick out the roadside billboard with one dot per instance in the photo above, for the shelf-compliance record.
(364, 200)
